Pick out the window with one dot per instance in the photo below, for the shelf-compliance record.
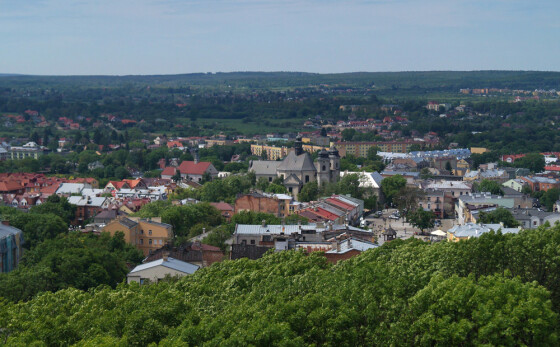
(141, 241)
(429, 206)
(324, 168)
(270, 179)
(306, 178)
(149, 232)
(252, 242)
(150, 241)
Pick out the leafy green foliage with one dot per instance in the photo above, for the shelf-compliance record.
(421, 219)
(474, 292)
(187, 220)
(73, 260)
(499, 215)
(492, 187)
(391, 186)
(309, 192)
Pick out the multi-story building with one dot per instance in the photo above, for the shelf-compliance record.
(11, 242)
(147, 235)
(360, 149)
(272, 152)
(541, 183)
(29, 150)
(276, 204)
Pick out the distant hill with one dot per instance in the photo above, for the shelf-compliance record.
(413, 80)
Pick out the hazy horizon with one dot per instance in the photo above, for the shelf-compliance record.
(167, 37)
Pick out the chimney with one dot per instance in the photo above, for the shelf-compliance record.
(263, 224)
(165, 256)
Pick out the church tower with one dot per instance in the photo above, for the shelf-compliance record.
(323, 168)
(334, 158)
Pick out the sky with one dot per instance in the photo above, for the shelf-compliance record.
(144, 37)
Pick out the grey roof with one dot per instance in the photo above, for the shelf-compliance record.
(264, 167)
(542, 180)
(475, 230)
(276, 229)
(332, 209)
(402, 173)
(352, 243)
(510, 192)
(492, 173)
(377, 177)
(171, 263)
(6, 230)
(87, 201)
(70, 188)
(293, 162)
(129, 223)
(446, 184)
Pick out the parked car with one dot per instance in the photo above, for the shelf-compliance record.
(437, 223)
(394, 216)
(377, 214)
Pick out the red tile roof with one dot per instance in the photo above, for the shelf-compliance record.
(340, 204)
(222, 206)
(201, 246)
(168, 171)
(190, 168)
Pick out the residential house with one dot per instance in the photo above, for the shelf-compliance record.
(469, 230)
(531, 218)
(225, 209)
(466, 204)
(157, 270)
(515, 183)
(191, 170)
(68, 189)
(145, 234)
(537, 183)
(95, 165)
(87, 207)
(252, 241)
(192, 252)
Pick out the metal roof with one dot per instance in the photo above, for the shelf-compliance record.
(293, 162)
(264, 167)
(171, 263)
(6, 230)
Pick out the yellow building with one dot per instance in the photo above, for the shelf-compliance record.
(147, 235)
(462, 168)
(479, 150)
(272, 152)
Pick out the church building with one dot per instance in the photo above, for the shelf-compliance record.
(298, 168)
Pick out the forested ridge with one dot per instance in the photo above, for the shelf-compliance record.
(493, 290)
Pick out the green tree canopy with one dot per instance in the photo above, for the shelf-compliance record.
(391, 186)
(499, 215)
(489, 186)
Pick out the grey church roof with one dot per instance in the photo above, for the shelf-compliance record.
(293, 162)
(264, 167)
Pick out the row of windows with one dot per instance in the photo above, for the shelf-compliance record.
(152, 242)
